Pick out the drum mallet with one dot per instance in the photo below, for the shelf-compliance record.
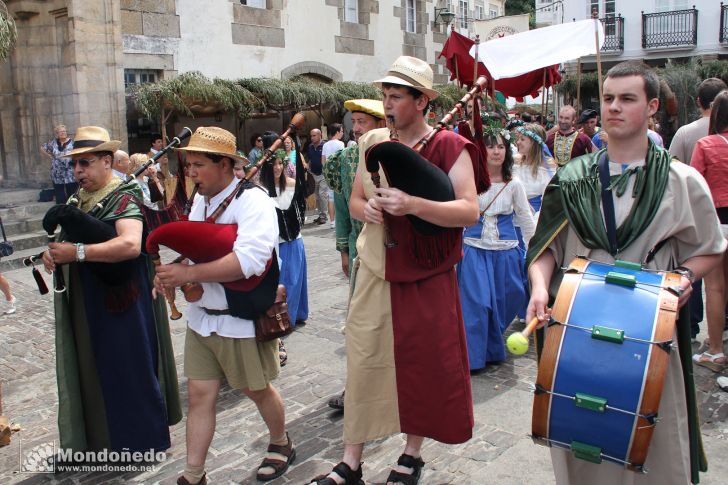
(517, 342)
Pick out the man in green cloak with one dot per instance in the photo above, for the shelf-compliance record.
(664, 219)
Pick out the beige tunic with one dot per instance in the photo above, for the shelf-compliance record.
(686, 215)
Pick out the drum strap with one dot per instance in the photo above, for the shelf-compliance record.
(608, 203)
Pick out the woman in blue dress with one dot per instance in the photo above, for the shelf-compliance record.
(290, 199)
(490, 274)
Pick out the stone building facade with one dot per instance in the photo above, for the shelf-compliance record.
(75, 57)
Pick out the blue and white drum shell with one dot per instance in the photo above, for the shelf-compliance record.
(602, 368)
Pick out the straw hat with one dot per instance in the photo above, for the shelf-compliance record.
(412, 72)
(213, 139)
(368, 106)
(90, 139)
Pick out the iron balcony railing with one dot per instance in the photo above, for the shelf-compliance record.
(670, 29)
(723, 34)
(613, 33)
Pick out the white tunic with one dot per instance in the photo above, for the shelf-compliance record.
(254, 213)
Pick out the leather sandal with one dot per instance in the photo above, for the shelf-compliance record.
(279, 466)
(351, 477)
(407, 461)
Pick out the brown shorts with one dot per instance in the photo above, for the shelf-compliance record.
(244, 362)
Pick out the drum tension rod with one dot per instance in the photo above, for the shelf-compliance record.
(665, 345)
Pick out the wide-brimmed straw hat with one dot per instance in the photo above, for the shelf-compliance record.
(412, 72)
(213, 139)
(90, 139)
(369, 106)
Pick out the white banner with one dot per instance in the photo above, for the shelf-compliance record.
(517, 54)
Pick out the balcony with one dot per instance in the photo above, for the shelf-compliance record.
(723, 33)
(613, 34)
(670, 29)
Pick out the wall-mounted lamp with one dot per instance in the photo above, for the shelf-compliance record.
(443, 15)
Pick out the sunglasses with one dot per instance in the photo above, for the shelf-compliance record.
(84, 162)
(259, 139)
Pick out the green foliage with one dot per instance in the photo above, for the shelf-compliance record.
(717, 69)
(191, 93)
(683, 79)
(8, 32)
(516, 7)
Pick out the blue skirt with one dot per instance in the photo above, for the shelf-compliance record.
(492, 294)
(294, 277)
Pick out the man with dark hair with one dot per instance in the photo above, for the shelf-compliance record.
(397, 295)
(256, 141)
(314, 157)
(666, 222)
(686, 136)
(566, 142)
(218, 344)
(682, 148)
(332, 146)
(157, 145)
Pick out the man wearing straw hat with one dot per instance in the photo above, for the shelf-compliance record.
(217, 344)
(117, 383)
(407, 367)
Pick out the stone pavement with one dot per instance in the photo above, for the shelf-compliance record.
(500, 452)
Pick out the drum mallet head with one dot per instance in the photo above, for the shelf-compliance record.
(517, 342)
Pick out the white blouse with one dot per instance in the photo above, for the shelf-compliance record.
(511, 199)
(534, 186)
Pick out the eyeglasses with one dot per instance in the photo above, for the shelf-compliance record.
(84, 162)
(259, 139)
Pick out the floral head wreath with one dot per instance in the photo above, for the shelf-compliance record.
(494, 129)
(545, 152)
(281, 153)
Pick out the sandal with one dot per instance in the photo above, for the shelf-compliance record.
(351, 477)
(183, 481)
(714, 362)
(279, 465)
(282, 354)
(407, 461)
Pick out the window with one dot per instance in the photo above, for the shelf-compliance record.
(253, 3)
(140, 76)
(479, 12)
(463, 14)
(670, 5)
(493, 14)
(351, 11)
(410, 16)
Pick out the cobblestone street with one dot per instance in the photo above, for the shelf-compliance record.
(500, 452)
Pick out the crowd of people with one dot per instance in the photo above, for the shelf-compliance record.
(519, 210)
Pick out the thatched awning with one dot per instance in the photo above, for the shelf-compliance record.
(194, 94)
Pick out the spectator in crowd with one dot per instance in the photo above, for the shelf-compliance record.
(64, 184)
(332, 146)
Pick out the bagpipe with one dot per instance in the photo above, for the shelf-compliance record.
(206, 241)
(81, 227)
(406, 169)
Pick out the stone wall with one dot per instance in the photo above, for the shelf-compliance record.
(66, 68)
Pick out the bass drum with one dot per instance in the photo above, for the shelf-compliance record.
(603, 364)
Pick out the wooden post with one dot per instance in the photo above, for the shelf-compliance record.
(475, 64)
(457, 72)
(595, 16)
(544, 94)
(578, 86)
(164, 126)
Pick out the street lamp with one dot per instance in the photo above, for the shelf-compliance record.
(444, 15)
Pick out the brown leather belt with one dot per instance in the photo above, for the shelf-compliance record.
(216, 312)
